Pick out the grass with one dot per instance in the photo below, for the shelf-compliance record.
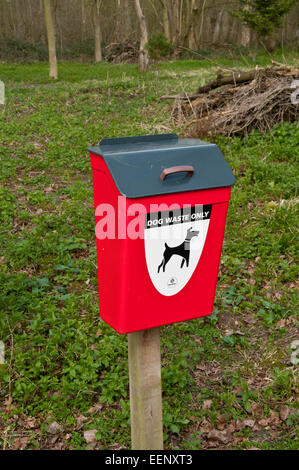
(36, 73)
(65, 365)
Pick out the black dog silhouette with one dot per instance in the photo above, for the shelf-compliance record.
(182, 250)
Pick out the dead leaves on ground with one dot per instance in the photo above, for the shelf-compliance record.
(18, 431)
(230, 432)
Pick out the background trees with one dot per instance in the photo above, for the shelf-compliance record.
(263, 17)
(81, 25)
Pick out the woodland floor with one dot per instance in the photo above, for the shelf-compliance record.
(228, 380)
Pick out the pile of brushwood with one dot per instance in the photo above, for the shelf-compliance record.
(122, 52)
(237, 102)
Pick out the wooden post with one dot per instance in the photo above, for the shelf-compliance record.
(145, 390)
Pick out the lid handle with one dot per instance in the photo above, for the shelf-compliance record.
(177, 169)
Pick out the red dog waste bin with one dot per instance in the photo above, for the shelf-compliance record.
(160, 211)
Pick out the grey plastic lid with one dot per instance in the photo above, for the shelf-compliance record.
(136, 164)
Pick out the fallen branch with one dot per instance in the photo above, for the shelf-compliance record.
(222, 79)
(227, 79)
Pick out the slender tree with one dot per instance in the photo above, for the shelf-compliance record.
(143, 55)
(166, 21)
(97, 32)
(175, 11)
(53, 73)
(192, 30)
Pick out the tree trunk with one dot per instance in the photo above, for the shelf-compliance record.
(97, 33)
(191, 31)
(128, 26)
(51, 38)
(245, 36)
(123, 18)
(217, 29)
(143, 55)
(270, 43)
(176, 22)
(245, 32)
(225, 27)
(166, 22)
(169, 7)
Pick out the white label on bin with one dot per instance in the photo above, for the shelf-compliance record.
(174, 242)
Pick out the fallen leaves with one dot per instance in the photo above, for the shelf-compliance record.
(283, 322)
(80, 420)
(219, 436)
(31, 423)
(207, 404)
(54, 428)
(20, 443)
(284, 412)
(249, 423)
(229, 432)
(221, 422)
(274, 418)
(95, 408)
(90, 436)
(192, 418)
(117, 446)
(263, 422)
